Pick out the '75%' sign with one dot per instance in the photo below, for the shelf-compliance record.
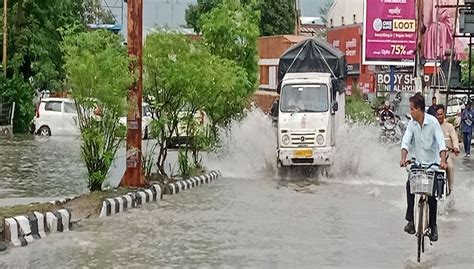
(404, 82)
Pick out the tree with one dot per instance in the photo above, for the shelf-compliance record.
(194, 12)
(34, 53)
(324, 10)
(34, 38)
(95, 13)
(230, 31)
(98, 74)
(277, 17)
(183, 74)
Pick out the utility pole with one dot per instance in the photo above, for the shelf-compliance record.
(134, 176)
(419, 47)
(5, 36)
(297, 17)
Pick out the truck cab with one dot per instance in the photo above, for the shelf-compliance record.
(310, 112)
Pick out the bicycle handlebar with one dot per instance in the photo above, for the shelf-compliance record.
(413, 162)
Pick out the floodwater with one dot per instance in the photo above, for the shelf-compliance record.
(250, 218)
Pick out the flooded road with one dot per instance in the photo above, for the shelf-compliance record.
(249, 218)
(38, 167)
(258, 223)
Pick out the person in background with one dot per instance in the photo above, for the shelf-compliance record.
(452, 143)
(432, 109)
(467, 119)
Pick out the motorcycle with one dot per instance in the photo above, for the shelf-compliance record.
(392, 130)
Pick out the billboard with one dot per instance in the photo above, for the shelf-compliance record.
(401, 81)
(389, 32)
(348, 40)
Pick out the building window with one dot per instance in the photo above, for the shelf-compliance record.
(354, 18)
(331, 24)
(342, 20)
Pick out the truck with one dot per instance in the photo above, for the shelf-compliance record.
(311, 106)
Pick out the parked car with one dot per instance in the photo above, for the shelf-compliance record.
(56, 116)
(454, 106)
(147, 117)
(180, 136)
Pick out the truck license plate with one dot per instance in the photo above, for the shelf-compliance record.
(303, 153)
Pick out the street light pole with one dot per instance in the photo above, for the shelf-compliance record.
(134, 176)
(5, 37)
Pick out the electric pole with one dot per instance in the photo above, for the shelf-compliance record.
(134, 176)
(419, 47)
(5, 37)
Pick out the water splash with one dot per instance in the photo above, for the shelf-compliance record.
(249, 151)
(248, 148)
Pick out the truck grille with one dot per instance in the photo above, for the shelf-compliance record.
(303, 138)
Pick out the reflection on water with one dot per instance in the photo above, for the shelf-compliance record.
(32, 166)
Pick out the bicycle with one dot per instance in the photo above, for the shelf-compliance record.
(422, 184)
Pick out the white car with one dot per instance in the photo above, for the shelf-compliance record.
(147, 117)
(454, 107)
(180, 137)
(56, 116)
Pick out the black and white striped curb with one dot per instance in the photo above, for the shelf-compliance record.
(22, 230)
(175, 187)
(112, 206)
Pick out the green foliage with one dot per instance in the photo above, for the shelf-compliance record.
(230, 31)
(98, 76)
(183, 161)
(465, 71)
(18, 91)
(34, 39)
(95, 13)
(184, 78)
(357, 109)
(277, 17)
(34, 54)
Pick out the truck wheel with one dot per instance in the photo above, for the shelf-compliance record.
(324, 170)
(283, 172)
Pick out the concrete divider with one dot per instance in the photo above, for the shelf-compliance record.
(25, 229)
(112, 206)
(184, 184)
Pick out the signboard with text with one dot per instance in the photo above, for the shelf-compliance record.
(389, 32)
(404, 82)
(348, 41)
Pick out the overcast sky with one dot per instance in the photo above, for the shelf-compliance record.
(171, 12)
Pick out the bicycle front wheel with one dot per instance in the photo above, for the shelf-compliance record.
(419, 232)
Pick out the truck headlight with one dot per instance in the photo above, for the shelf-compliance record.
(285, 140)
(320, 140)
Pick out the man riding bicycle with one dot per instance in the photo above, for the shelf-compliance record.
(452, 143)
(425, 141)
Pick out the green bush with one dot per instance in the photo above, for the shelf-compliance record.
(359, 110)
(97, 69)
(18, 91)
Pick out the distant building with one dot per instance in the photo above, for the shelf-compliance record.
(345, 32)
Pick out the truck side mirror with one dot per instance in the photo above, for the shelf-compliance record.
(335, 106)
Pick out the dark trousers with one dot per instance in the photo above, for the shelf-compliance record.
(432, 203)
(467, 142)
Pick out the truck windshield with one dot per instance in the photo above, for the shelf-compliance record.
(304, 98)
